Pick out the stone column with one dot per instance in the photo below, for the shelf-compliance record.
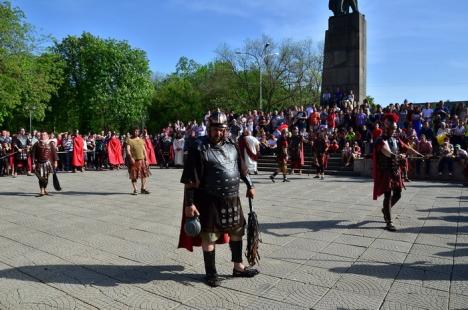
(345, 55)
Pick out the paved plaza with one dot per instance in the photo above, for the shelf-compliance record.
(94, 246)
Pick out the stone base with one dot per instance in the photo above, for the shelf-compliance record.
(345, 60)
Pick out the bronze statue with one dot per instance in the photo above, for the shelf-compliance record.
(341, 7)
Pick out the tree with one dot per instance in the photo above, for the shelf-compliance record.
(27, 80)
(107, 84)
(290, 76)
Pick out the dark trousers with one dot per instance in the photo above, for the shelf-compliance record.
(427, 166)
(446, 161)
(68, 159)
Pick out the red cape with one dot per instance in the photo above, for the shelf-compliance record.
(187, 242)
(114, 151)
(150, 155)
(383, 182)
(78, 151)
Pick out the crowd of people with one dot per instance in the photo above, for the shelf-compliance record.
(339, 126)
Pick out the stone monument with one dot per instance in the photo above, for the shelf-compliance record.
(345, 59)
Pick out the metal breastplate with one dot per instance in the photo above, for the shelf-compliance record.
(43, 152)
(220, 171)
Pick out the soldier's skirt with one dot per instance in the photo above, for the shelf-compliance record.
(42, 172)
(219, 214)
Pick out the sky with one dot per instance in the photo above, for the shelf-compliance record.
(416, 49)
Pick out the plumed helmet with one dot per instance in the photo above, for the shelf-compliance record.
(390, 120)
(217, 119)
(192, 226)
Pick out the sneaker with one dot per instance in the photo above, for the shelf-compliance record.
(450, 174)
(144, 191)
(286, 180)
(135, 193)
(316, 177)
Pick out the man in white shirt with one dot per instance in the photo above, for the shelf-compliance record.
(250, 148)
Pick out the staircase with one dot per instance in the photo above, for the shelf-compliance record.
(335, 165)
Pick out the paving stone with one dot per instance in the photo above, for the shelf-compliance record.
(336, 299)
(344, 250)
(383, 256)
(391, 245)
(315, 276)
(418, 296)
(296, 293)
(94, 246)
(458, 302)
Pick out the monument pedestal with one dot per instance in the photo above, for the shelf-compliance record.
(345, 58)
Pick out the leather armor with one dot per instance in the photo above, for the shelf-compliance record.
(43, 152)
(220, 170)
(389, 163)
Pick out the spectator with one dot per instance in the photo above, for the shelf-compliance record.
(425, 149)
(447, 156)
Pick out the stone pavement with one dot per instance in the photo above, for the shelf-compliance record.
(95, 246)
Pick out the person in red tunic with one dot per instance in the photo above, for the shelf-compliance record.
(149, 149)
(387, 168)
(282, 156)
(78, 152)
(296, 148)
(114, 151)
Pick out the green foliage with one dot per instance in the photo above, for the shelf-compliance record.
(107, 84)
(27, 81)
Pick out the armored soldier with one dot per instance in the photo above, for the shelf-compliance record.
(44, 157)
(211, 176)
(282, 156)
(387, 168)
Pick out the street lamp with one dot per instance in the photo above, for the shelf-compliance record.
(262, 55)
(31, 109)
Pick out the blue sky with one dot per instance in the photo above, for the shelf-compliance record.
(417, 49)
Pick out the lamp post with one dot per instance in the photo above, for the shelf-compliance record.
(31, 109)
(262, 56)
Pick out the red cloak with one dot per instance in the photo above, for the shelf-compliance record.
(114, 151)
(78, 151)
(150, 155)
(187, 242)
(384, 181)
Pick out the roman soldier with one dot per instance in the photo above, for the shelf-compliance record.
(387, 161)
(320, 149)
(282, 156)
(21, 146)
(296, 150)
(211, 176)
(44, 158)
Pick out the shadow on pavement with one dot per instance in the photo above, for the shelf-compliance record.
(97, 275)
(411, 271)
(65, 193)
(270, 228)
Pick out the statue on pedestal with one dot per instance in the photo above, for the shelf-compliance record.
(341, 7)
